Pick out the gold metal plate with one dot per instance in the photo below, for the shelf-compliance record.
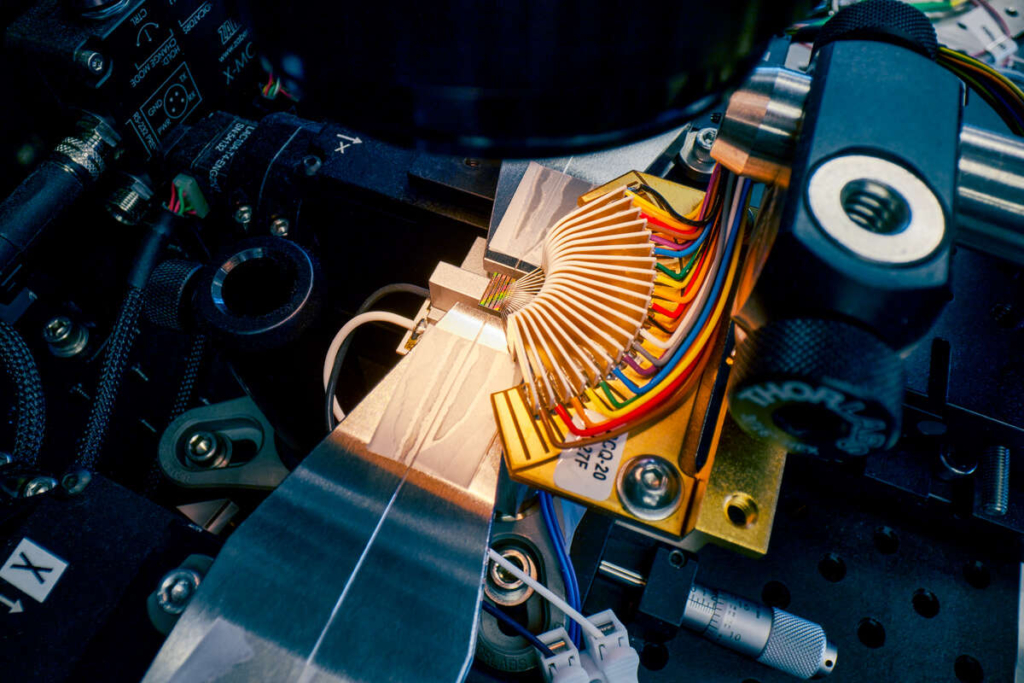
(532, 460)
(728, 499)
(681, 196)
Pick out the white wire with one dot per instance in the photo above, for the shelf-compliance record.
(545, 592)
(345, 331)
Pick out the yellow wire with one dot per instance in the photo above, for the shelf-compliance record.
(656, 211)
(695, 349)
(954, 55)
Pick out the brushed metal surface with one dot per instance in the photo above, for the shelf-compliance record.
(366, 563)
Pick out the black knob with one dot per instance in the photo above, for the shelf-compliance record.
(261, 294)
(97, 9)
(169, 293)
(887, 21)
(821, 387)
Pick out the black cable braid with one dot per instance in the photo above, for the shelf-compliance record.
(190, 376)
(29, 402)
(115, 362)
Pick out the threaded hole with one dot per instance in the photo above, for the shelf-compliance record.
(875, 206)
(741, 510)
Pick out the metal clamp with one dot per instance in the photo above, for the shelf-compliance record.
(225, 445)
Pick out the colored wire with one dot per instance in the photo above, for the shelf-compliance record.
(332, 384)
(675, 374)
(686, 251)
(1001, 93)
(273, 88)
(179, 204)
(546, 593)
(705, 314)
(639, 414)
(682, 363)
(1012, 89)
(666, 242)
(174, 205)
(517, 627)
(664, 203)
(662, 410)
(572, 588)
(683, 326)
(705, 243)
(349, 328)
(683, 273)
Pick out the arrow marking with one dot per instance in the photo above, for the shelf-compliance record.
(341, 142)
(12, 607)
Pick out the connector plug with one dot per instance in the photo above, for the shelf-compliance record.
(614, 657)
(566, 666)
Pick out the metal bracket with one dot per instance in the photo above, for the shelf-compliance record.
(251, 459)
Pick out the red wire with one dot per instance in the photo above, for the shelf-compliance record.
(697, 277)
(633, 414)
(665, 226)
(173, 204)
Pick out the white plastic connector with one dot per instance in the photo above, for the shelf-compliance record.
(612, 654)
(565, 666)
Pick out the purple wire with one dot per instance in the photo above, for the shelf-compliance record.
(705, 205)
(643, 372)
(664, 241)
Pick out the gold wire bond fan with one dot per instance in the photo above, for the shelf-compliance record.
(569, 322)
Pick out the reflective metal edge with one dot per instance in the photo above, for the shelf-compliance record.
(364, 566)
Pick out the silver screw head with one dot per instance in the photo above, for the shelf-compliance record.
(202, 447)
(280, 227)
(654, 478)
(57, 330)
(311, 164)
(96, 63)
(706, 138)
(176, 590)
(75, 482)
(650, 487)
(505, 588)
(38, 486)
(505, 579)
(6, 459)
(243, 214)
(64, 337)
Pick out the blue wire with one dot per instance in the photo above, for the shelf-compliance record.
(564, 561)
(686, 251)
(517, 627)
(572, 590)
(705, 314)
(546, 509)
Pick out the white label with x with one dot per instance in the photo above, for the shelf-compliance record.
(33, 569)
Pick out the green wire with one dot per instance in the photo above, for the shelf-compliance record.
(611, 399)
(686, 269)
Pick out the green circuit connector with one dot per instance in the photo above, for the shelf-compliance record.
(191, 196)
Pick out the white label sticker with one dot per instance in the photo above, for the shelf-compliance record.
(590, 471)
(33, 569)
